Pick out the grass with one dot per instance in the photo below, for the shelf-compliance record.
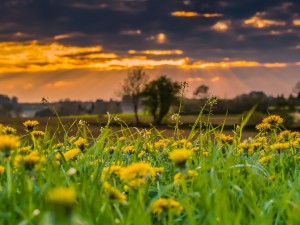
(126, 176)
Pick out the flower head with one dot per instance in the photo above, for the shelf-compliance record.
(262, 127)
(164, 205)
(68, 155)
(8, 130)
(80, 143)
(180, 156)
(30, 125)
(265, 159)
(38, 134)
(65, 196)
(280, 146)
(137, 173)
(114, 193)
(32, 160)
(128, 149)
(225, 139)
(273, 120)
(8, 143)
(180, 177)
(110, 170)
(2, 169)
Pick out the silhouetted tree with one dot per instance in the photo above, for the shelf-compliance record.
(201, 91)
(159, 96)
(296, 89)
(133, 86)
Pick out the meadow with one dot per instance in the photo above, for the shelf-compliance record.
(141, 176)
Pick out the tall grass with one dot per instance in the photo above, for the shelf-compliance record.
(225, 181)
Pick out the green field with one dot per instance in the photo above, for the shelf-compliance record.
(139, 176)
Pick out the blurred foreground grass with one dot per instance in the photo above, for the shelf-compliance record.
(141, 176)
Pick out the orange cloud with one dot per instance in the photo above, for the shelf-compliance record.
(157, 52)
(225, 64)
(57, 84)
(221, 26)
(184, 14)
(258, 22)
(61, 36)
(296, 22)
(35, 57)
(160, 38)
(194, 79)
(194, 14)
(215, 79)
(275, 65)
(210, 15)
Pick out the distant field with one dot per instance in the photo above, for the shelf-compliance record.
(95, 122)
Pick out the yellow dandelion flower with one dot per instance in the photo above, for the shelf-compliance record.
(122, 138)
(273, 120)
(17, 160)
(65, 196)
(180, 177)
(295, 135)
(296, 143)
(265, 159)
(71, 154)
(166, 204)
(243, 147)
(225, 138)
(141, 154)
(262, 127)
(284, 136)
(180, 156)
(158, 169)
(58, 146)
(110, 149)
(280, 146)
(68, 155)
(24, 150)
(38, 134)
(114, 193)
(31, 125)
(162, 143)
(9, 143)
(72, 140)
(205, 154)
(8, 130)
(183, 143)
(32, 160)
(2, 169)
(80, 143)
(137, 173)
(126, 188)
(128, 149)
(110, 170)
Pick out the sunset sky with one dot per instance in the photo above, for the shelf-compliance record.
(82, 50)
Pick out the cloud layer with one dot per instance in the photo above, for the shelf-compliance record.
(183, 36)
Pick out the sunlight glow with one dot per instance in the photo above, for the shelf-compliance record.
(184, 14)
(221, 26)
(258, 22)
(36, 57)
(157, 52)
(296, 22)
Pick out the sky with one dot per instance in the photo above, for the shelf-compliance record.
(83, 49)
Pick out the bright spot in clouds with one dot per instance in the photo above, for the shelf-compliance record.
(258, 21)
(221, 26)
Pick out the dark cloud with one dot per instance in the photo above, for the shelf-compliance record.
(105, 22)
